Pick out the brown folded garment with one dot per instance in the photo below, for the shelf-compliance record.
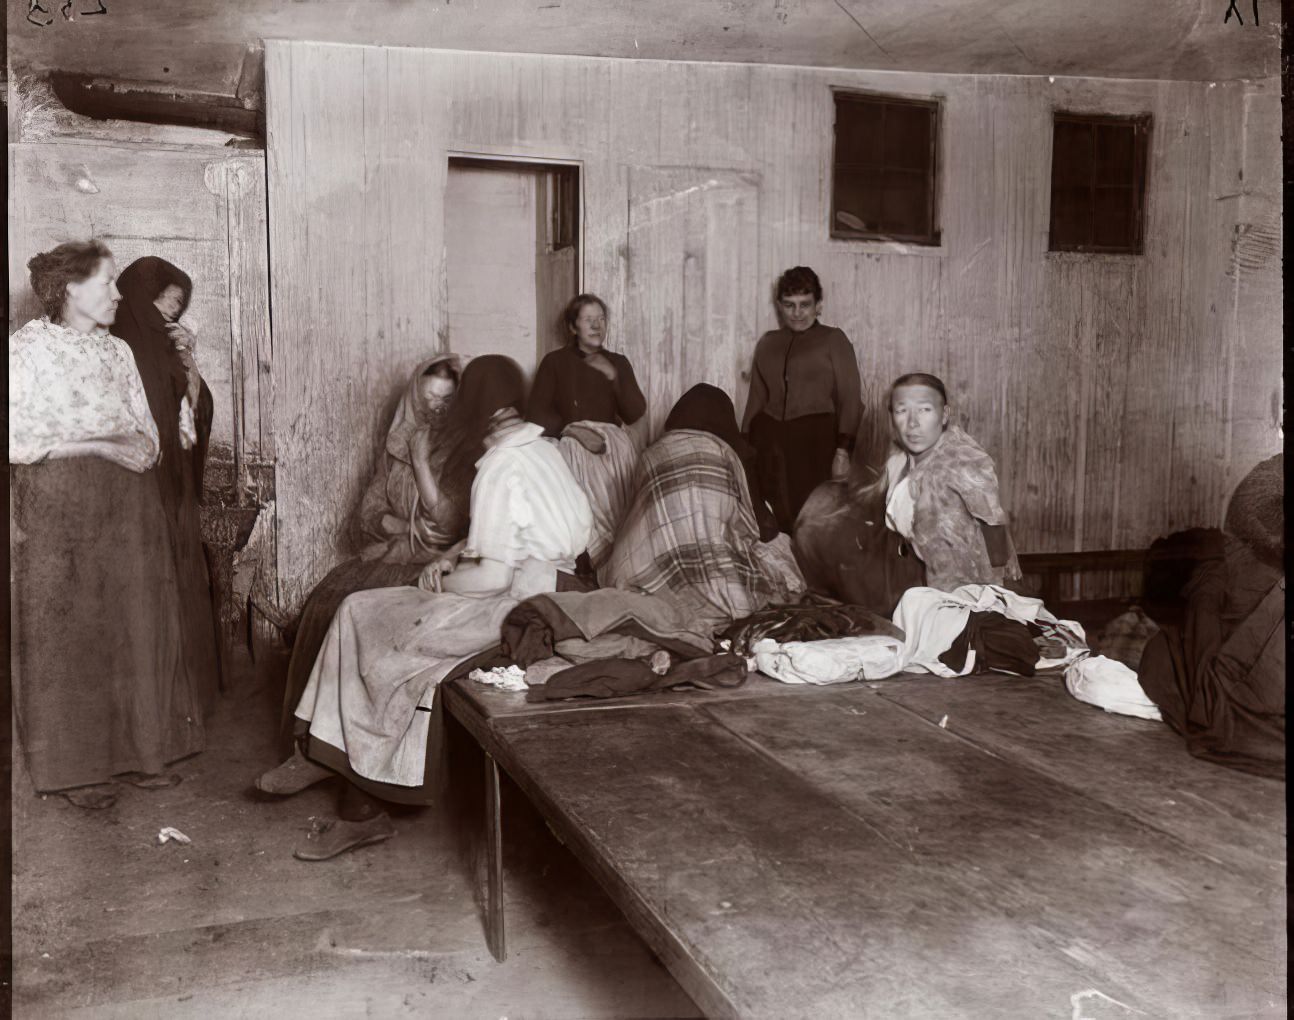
(615, 678)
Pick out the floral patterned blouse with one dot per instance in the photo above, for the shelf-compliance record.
(66, 386)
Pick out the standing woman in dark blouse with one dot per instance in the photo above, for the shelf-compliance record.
(805, 400)
(584, 394)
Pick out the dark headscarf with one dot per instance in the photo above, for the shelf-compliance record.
(143, 327)
(1256, 512)
(706, 408)
(488, 383)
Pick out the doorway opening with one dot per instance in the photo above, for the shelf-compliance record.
(512, 245)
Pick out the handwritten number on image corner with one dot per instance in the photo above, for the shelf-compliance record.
(42, 17)
(1233, 9)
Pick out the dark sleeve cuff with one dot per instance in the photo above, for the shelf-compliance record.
(996, 542)
(845, 442)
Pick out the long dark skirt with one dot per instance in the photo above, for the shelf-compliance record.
(181, 495)
(846, 552)
(793, 458)
(100, 681)
(344, 579)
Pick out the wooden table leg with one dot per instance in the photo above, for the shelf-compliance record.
(494, 936)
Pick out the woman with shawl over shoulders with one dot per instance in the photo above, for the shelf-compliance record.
(370, 705)
(697, 531)
(101, 689)
(584, 394)
(154, 295)
(409, 515)
(933, 518)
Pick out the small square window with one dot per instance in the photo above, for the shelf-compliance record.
(1098, 183)
(883, 169)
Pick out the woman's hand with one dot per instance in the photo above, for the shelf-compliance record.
(603, 364)
(840, 462)
(433, 572)
(420, 445)
(182, 336)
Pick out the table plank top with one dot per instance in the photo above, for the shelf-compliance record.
(820, 852)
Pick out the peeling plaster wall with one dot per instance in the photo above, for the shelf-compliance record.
(1123, 397)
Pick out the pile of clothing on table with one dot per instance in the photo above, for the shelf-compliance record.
(609, 643)
(1203, 653)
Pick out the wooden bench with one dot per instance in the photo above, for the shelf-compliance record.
(1051, 565)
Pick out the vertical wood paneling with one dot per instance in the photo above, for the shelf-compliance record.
(1116, 393)
(251, 350)
(691, 300)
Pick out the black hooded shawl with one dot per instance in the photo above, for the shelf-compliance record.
(143, 328)
(706, 408)
(179, 471)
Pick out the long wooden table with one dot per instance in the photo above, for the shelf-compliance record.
(850, 852)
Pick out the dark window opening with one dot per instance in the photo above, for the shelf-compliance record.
(884, 168)
(1098, 183)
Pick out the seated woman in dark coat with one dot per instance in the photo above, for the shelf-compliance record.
(1219, 677)
(408, 516)
(584, 394)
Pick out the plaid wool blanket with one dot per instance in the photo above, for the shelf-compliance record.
(691, 531)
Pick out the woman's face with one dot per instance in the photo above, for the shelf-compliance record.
(590, 327)
(919, 416)
(96, 297)
(435, 391)
(170, 302)
(799, 311)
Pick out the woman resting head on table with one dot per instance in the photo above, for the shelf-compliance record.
(941, 491)
(387, 649)
(692, 532)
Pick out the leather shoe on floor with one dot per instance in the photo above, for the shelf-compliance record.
(340, 835)
(293, 776)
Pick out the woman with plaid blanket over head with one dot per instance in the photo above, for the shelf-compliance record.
(691, 530)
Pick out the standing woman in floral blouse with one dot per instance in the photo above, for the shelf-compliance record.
(100, 687)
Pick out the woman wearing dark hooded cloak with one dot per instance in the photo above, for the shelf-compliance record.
(154, 295)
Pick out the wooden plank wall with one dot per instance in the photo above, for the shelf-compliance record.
(1122, 397)
(204, 210)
